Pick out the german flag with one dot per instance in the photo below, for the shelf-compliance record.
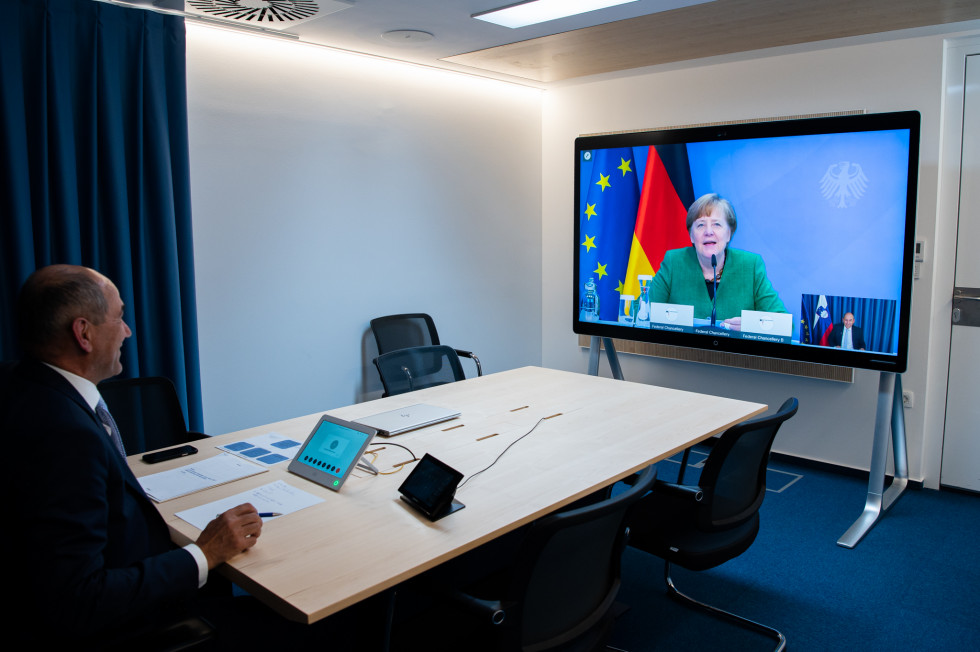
(666, 193)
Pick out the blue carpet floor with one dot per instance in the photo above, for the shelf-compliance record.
(913, 583)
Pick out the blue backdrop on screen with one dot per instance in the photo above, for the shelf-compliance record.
(821, 210)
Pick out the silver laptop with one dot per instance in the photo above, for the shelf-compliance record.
(411, 417)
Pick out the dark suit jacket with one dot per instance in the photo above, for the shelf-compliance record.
(88, 553)
(837, 335)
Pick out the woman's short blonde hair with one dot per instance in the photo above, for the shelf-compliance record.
(704, 204)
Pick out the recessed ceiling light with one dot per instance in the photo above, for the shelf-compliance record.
(540, 11)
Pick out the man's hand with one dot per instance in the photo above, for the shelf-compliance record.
(231, 533)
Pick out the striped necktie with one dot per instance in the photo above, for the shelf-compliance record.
(102, 410)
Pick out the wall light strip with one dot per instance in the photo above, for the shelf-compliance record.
(227, 26)
(520, 83)
(540, 11)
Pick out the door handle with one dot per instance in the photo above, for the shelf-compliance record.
(966, 306)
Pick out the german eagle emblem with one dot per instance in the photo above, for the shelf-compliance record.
(843, 184)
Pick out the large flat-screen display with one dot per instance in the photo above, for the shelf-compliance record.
(789, 239)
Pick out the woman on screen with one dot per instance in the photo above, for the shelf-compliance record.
(686, 275)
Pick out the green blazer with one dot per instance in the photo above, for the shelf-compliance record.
(743, 285)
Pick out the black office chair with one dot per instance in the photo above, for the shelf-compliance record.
(409, 330)
(407, 370)
(700, 527)
(6, 373)
(560, 590)
(147, 412)
(180, 635)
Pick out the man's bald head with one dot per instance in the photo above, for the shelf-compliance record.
(49, 302)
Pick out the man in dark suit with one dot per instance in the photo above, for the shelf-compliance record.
(90, 559)
(846, 335)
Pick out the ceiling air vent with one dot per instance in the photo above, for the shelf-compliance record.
(277, 14)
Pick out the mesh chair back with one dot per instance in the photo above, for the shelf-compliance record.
(147, 412)
(6, 373)
(567, 574)
(406, 370)
(734, 475)
(404, 331)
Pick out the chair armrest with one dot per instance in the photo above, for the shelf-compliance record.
(679, 490)
(469, 354)
(631, 479)
(682, 491)
(493, 610)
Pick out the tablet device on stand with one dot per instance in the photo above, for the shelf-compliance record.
(332, 451)
(430, 488)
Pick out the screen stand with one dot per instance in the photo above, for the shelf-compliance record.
(879, 499)
(617, 371)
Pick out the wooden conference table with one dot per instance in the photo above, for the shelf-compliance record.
(364, 539)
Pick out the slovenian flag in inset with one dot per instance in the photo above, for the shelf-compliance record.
(823, 323)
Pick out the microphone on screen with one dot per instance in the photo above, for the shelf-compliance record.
(714, 294)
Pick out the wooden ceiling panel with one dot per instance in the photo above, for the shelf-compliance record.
(712, 29)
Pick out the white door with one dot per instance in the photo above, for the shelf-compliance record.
(961, 439)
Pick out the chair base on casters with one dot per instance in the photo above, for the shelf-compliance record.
(721, 613)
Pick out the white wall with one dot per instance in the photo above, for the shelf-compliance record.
(329, 189)
(836, 420)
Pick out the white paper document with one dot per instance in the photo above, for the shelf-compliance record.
(207, 473)
(276, 497)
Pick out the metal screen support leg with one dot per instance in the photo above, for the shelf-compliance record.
(617, 371)
(879, 500)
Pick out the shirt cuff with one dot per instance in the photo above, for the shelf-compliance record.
(202, 563)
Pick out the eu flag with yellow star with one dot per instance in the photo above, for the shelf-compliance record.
(606, 219)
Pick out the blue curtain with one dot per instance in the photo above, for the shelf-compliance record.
(877, 318)
(94, 170)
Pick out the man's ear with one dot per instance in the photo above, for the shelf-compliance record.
(81, 329)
